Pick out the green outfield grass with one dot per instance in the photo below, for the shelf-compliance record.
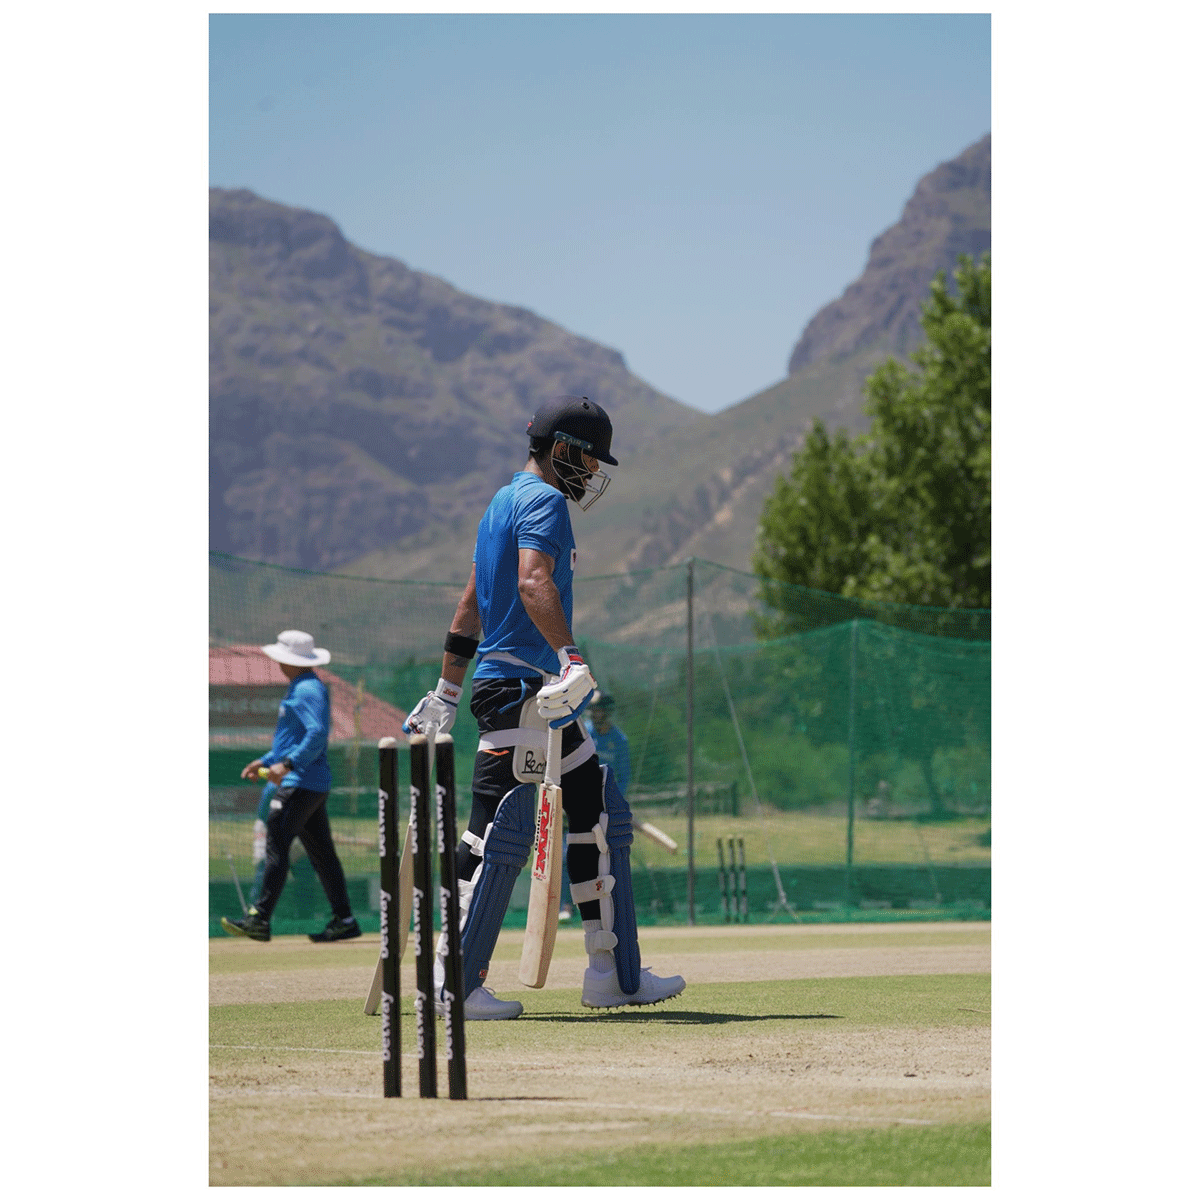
(942, 1156)
(811, 839)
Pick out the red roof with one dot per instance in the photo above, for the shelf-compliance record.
(248, 666)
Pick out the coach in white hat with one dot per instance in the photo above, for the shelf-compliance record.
(297, 763)
(294, 648)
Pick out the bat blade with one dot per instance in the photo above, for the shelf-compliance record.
(406, 887)
(656, 835)
(375, 994)
(541, 925)
(371, 1007)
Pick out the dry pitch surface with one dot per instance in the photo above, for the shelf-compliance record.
(693, 1070)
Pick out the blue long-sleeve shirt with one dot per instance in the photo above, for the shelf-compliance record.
(302, 734)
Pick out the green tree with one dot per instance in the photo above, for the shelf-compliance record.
(902, 513)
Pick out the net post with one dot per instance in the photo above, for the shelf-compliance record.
(850, 781)
(691, 765)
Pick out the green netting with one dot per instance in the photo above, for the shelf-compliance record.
(852, 757)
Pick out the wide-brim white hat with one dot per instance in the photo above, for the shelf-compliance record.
(296, 648)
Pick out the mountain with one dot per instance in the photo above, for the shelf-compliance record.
(709, 503)
(949, 214)
(355, 403)
(362, 413)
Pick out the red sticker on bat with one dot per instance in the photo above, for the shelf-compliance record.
(543, 833)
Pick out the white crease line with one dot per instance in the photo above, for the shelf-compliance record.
(298, 1049)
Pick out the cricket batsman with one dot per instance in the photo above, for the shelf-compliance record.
(515, 612)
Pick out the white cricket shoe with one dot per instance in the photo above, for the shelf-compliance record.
(483, 1005)
(601, 989)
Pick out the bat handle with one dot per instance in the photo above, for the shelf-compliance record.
(553, 756)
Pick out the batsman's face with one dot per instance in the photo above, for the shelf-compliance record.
(562, 453)
(575, 471)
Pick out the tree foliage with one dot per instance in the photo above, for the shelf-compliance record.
(902, 513)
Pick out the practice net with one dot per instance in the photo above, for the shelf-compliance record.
(813, 757)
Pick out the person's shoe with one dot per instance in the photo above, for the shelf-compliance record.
(252, 925)
(483, 1005)
(601, 989)
(337, 931)
(566, 913)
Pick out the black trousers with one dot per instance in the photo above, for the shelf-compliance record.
(496, 705)
(302, 815)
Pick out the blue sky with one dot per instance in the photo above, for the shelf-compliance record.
(688, 189)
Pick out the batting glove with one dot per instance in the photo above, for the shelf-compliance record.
(559, 703)
(436, 712)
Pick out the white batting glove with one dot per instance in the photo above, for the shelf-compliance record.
(436, 711)
(561, 702)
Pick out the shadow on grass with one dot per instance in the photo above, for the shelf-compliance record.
(672, 1017)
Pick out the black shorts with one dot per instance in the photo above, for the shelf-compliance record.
(497, 705)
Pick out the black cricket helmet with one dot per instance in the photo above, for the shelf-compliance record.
(579, 422)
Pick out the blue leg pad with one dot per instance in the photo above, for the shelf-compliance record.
(505, 853)
(627, 953)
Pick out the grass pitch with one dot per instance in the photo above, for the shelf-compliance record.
(797, 1055)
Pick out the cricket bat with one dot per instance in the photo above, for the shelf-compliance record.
(406, 898)
(656, 835)
(541, 925)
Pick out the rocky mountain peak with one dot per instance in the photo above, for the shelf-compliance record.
(948, 214)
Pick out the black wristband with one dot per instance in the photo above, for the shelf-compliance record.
(460, 645)
(288, 765)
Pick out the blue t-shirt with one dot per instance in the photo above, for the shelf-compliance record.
(302, 734)
(612, 747)
(527, 514)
